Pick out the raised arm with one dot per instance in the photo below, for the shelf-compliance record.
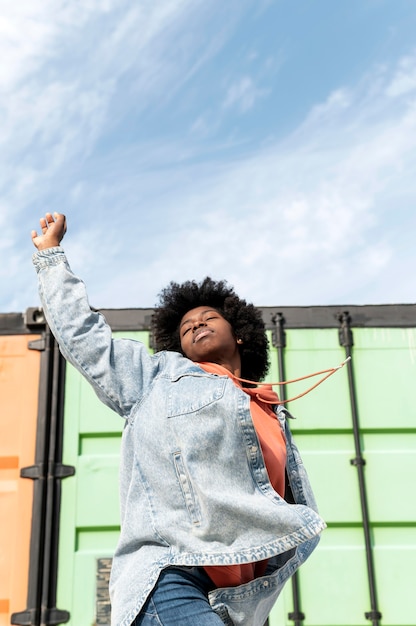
(119, 370)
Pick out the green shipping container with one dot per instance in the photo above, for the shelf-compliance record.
(357, 436)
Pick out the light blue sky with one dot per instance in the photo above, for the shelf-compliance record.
(268, 142)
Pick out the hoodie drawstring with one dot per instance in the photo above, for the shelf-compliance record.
(327, 372)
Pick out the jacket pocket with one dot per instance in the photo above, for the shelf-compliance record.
(188, 493)
(193, 392)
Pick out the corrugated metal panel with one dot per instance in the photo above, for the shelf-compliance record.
(19, 381)
(334, 584)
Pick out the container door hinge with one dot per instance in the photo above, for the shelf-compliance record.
(37, 344)
(52, 617)
(30, 617)
(57, 470)
(25, 618)
(345, 332)
(33, 471)
(357, 461)
(278, 332)
(296, 616)
(373, 615)
(63, 471)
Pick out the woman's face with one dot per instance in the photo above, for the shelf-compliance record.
(206, 336)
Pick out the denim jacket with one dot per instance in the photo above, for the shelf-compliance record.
(194, 489)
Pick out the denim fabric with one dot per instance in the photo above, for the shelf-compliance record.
(194, 489)
(179, 597)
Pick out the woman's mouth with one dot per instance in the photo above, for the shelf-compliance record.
(201, 333)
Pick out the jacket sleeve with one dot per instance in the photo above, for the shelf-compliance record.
(120, 370)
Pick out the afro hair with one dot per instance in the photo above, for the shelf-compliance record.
(245, 319)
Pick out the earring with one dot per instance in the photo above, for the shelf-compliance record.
(240, 341)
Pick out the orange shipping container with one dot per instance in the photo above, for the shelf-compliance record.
(19, 384)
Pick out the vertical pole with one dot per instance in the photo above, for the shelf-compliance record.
(346, 340)
(50, 615)
(279, 342)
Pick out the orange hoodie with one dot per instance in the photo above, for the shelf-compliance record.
(273, 445)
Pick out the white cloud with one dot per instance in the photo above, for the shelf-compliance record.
(404, 81)
(71, 71)
(243, 94)
(313, 219)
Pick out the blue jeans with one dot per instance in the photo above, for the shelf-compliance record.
(180, 598)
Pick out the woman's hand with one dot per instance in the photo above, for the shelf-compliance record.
(53, 231)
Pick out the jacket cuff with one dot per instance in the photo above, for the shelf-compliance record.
(48, 257)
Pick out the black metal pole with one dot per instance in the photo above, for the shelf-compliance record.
(346, 340)
(50, 615)
(279, 342)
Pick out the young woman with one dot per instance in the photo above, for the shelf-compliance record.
(216, 508)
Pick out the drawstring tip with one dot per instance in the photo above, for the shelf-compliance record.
(343, 363)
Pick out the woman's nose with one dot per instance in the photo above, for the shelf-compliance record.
(198, 323)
